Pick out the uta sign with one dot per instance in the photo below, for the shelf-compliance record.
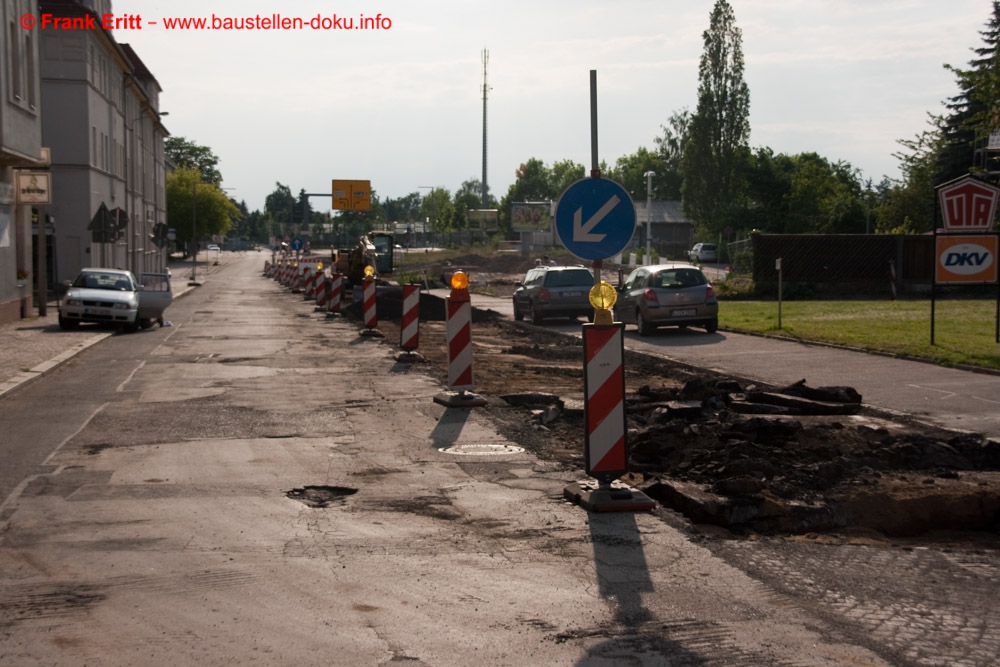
(968, 205)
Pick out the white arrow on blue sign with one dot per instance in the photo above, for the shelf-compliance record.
(595, 218)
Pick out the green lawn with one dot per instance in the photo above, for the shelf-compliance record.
(964, 331)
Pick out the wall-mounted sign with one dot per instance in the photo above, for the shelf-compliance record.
(33, 187)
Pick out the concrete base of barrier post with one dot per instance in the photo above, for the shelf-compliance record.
(614, 497)
(410, 357)
(460, 399)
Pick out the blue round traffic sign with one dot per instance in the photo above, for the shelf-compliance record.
(595, 218)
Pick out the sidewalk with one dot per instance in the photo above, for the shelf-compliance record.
(35, 345)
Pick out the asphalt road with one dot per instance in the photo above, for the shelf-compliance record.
(164, 523)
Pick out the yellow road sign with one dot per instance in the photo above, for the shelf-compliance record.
(352, 195)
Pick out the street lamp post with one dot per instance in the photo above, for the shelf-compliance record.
(194, 234)
(649, 215)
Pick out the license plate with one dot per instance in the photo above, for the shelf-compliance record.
(95, 311)
(572, 293)
(683, 312)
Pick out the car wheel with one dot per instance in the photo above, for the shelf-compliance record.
(518, 315)
(145, 323)
(68, 324)
(536, 317)
(712, 326)
(131, 327)
(644, 327)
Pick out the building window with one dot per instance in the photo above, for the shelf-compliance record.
(15, 62)
(30, 58)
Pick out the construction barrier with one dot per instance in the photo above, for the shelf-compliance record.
(311, 274)
(409, 325)
(336, 292)
(323, 293)
(368, 305)
(458, 329)
(606, 452)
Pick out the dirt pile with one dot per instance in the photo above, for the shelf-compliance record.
(751, 458)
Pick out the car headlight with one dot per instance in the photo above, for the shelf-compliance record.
(73, 302)
(123, 306)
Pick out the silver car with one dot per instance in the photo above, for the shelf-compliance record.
(107, 296)
(667, 295)
(554, 291)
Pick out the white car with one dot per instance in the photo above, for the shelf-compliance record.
(213, 246)
(113, 296)
(704, 252)
(107, 296)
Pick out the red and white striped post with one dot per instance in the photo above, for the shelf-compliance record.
(336, 291)
(606, 452)
(369, 308)
(605, 442)
(296, 278)
(458, 329)
(322, 293)
(409, 325)
(308, 276)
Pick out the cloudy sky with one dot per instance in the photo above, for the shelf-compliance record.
(402, 106)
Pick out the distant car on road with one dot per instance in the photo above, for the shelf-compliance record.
(667, 295)
(213, 246)
(704, 252)
(554, 291)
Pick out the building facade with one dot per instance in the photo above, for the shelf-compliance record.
(102, 122)
(20, 148)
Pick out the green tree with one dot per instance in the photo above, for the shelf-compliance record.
(975, 112)
(437, 207)
(403, 209)
(196, 209)
(280, 204)
(670, 147)
(630, 172)
(563, 174)
(184, 153)
(715, 157)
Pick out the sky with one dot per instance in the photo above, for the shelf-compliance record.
(402, 105)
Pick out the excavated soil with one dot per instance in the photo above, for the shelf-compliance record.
(721, 451)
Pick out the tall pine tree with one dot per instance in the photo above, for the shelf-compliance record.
(719, 131)
(975, 112)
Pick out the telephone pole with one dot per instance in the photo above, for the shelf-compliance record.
(486, 92)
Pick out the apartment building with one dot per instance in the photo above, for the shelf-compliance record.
(20, 149)
(102, 122)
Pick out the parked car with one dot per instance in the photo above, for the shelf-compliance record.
(113, 296)
(213, 246)
(667, 295)
(554, 291)
(704, 252)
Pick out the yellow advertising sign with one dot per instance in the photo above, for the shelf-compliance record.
(352, 195)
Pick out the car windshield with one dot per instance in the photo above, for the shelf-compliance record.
(677, 278)
(95, 280)
(572, 278)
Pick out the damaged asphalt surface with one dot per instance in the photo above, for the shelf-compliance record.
(260, 485)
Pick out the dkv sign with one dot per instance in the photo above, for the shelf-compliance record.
(966, 259)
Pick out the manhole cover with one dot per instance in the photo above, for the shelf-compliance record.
(483, 449)
(320, 496)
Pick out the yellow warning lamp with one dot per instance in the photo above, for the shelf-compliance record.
(296, 265)
(460, 280)
(369, 271)
(602, 297)
(319, 266)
